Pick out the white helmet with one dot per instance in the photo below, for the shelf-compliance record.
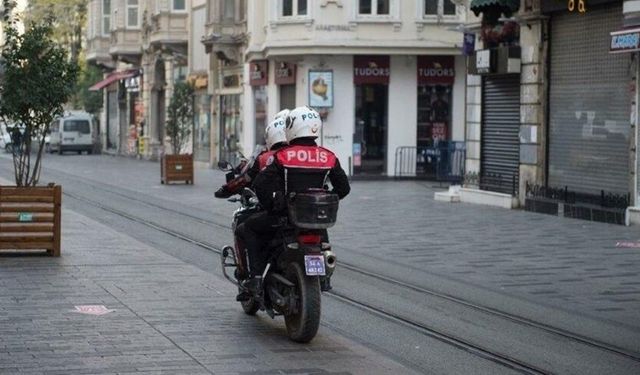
(274, 133)
(303, 122)
(282, 114)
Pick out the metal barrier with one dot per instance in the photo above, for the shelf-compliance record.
(442, 162)
(605, 207)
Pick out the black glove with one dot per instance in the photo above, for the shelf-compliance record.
(223, 192)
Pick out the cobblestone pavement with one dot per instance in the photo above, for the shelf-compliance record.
(564, 272)
(169, 317)
(568, 264)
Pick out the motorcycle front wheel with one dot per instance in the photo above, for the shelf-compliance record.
(303, 325)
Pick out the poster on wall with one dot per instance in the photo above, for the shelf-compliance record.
(320, 88)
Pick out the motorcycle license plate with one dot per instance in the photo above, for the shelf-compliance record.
(314, 265)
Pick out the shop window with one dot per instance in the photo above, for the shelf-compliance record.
(229, 10)
(434, 114)
(202, 127)
(179, 5)
(374, 7)
(434, 8)
(260, 103)
(448, 8)
(287, 96)
(294, 8)
(230, 127)
(133, 19)
(180, 73)
(106, 17)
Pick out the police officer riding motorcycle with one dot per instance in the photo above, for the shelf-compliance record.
(290, 259)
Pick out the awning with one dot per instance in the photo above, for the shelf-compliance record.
(113, 77)
(507, 6)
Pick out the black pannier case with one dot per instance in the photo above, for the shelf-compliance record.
(313, 210)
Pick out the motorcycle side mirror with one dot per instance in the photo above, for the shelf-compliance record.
(225, 165)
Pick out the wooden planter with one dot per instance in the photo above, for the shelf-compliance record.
(176, 168)
(30, 218)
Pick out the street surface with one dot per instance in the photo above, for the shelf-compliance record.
(421, 286)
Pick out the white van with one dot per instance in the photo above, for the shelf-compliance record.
(73, 132)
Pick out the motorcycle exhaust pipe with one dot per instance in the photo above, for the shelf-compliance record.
(330, 261)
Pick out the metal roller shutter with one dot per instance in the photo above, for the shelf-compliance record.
(589, 104)
(500, 142)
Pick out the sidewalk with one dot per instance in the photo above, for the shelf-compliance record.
(168, 317)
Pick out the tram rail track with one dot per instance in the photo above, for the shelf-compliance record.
(447, 338)
(485, 309)
(459, 343)
(210, 247)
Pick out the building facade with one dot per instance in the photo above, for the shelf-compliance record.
(225, 41)
(384, 74)
(142, 47)
(551, 111)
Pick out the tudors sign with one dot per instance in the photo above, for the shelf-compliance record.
(258, 73)
(625, 41)
(285, 73)
(436, 70)
(371, 70)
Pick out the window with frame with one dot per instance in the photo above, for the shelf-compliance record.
(374, 7)
(179, 5)
(106, 17)
(292, 8)
(229, 10)
(133, 14)
(439, 8)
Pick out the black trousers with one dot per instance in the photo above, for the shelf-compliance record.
(255, 232)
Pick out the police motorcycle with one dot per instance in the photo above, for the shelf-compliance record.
(300, 260)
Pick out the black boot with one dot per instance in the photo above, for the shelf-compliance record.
(252, 288)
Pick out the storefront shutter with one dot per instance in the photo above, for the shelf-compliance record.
(589, 103)
(500, 143)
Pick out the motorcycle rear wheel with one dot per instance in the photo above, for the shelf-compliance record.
(303, 325)
(250, 307)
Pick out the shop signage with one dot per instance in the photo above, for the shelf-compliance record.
(468, 44)
(436, 70)
(132, 84)
(580, 6)
(483, 61)
(320, 88)
(285, 73)
(625, 41)
(25, 217)
(371, 70)
(334, 27)
(259, 73)
(231, 81)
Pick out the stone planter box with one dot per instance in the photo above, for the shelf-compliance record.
(30, 219)
(176, 168)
